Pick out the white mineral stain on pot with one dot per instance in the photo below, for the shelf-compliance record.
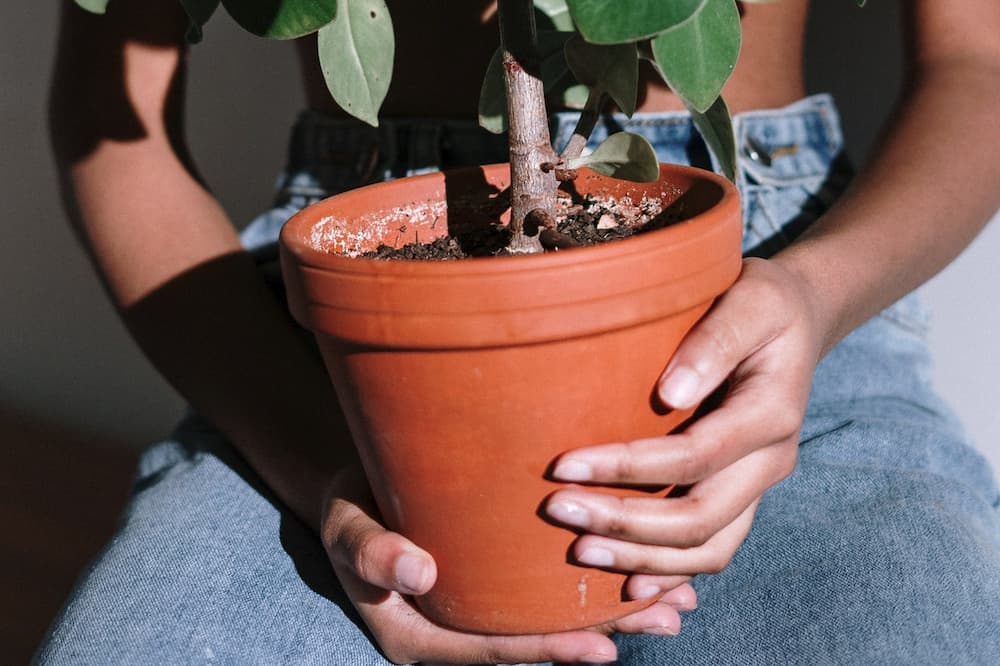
(336, 236)
(581, 587)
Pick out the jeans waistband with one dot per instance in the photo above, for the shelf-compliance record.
(801, 140)
(396, 148)
(791, 163)
(798, 141)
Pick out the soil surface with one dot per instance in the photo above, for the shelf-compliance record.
(595, 220)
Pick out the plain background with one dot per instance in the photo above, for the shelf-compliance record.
(77, 399)
(66, 361)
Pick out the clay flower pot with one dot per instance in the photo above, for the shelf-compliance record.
(463, 380)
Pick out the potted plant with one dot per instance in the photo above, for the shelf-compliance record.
(463, 381)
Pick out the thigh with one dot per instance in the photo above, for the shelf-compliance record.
(207, 568)
(882, 547)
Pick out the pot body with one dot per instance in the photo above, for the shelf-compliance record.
(463, 381)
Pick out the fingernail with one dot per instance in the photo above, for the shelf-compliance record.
(573, 470)
(682, 599)
(597, 557)
(411, 574)
(646, 591)
(680, 387)
(684, 606)
(660, 631)
(569, 513)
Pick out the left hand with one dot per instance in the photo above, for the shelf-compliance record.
(762, 336)
(381, 571)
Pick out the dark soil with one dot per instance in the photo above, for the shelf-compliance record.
(587, 223)
(488, 242)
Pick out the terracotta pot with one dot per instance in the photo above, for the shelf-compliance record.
(463, 380)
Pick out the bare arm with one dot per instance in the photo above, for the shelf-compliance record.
(171, 260)
(931, 185)
(929, 190)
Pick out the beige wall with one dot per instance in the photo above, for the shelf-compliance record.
(64, 358)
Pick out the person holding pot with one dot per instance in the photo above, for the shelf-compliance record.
(833, 496)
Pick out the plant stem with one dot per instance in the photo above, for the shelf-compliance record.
(584, 126)
(530, 144)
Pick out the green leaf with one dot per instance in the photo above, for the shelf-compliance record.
(93, 6)
(281, 19)
(355, 53)
(613, 69)
(619, 21)
(697, 57)
(557, 12)
(575, 97)
(493, 97)
(716, 128)
(622, 155)
(198, 11)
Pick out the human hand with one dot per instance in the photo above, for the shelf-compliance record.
(762, 336)
(381, 570)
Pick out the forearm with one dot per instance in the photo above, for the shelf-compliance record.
(218, 335)
(173, 265)
(928, 190)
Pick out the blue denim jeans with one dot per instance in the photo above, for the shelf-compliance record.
(883, 547)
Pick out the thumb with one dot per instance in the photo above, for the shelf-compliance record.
(731, 331)
(354, 538)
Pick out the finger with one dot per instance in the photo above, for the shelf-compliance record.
(642, 586)
(683, 521)
(682, 597)
(587, 646)
(659, 619)
(754, 415)
(730, 332)
(406, 636)
(377, 556)
(719, 500)
(711, 557)
(417, 639)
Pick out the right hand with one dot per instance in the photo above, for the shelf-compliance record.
(380, 570)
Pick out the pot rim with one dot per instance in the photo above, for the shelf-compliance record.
(503, 301)
(294, 235)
